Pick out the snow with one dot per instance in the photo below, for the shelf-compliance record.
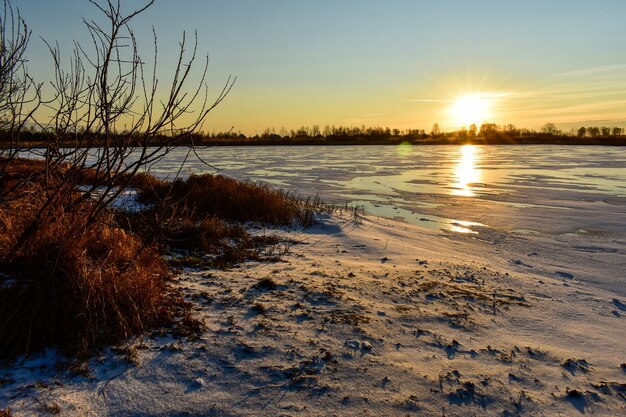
(369, 316)
(127, 200)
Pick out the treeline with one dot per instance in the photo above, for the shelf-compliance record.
(595, 131)
(352, 134)
(488, 133)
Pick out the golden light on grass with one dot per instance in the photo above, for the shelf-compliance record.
(472, 109)
(465, 171)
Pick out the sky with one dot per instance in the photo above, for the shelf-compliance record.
(402, 64)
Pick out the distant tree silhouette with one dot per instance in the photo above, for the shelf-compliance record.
(581, 132)
(550, 129)
(488, 130)
(511, 130)
(593, 131)
(471, 132)
(435, 131)
(617, 131)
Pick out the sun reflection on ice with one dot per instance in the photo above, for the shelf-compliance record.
(466, 172)
(464, 227)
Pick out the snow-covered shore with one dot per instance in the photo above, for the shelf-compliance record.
(371, 317)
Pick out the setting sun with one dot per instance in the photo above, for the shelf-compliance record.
(470, 109)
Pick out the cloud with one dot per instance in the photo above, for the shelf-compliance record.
(591, 71)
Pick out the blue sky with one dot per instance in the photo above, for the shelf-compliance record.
(392, 63)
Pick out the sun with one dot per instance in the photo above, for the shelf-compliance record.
(472, 109)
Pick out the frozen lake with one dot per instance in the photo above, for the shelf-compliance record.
(506, 187)
(557, 209)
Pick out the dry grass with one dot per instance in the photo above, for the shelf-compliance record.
(18, 174)
(226, 244)
(71, 284)
(207, 195)
(77, 285)
(204, 213)
(203, 216)
(64, 281)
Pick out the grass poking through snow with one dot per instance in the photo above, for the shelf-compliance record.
(75, 284)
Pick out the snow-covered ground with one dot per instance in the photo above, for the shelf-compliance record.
(499, 289)
(375, 317)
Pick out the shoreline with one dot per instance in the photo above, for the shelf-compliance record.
(526, 141)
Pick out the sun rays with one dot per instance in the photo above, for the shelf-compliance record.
(474, 109)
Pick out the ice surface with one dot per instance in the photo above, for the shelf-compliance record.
(552, 193)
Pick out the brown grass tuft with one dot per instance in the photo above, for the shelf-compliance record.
(209, 195)
(71, 284)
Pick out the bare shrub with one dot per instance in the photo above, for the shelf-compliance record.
(19, 94)
(109, 99)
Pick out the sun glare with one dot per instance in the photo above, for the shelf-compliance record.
(466, 173)
(470, 109)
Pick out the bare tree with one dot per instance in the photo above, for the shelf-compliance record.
(550, 129)
(110, 115)
(593, 131)
(472, 130)
(19, 94)
(436, 131)
(108, 99)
